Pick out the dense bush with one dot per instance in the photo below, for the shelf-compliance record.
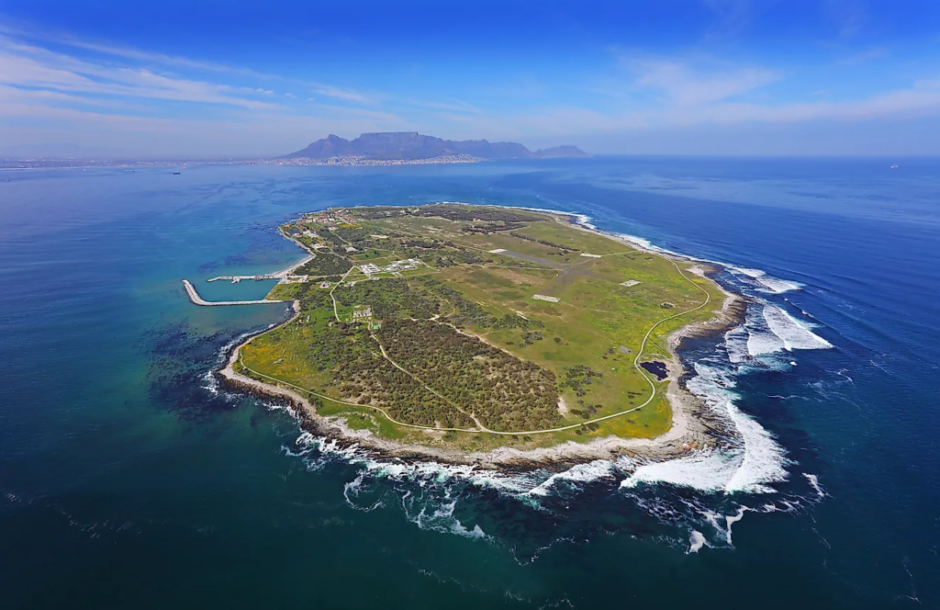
(390, 298)
(502, 391)
(324, 263)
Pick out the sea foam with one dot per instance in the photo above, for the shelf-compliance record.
(579, 474)
(696, 541)
(736, 344)
(760, 338)
(793, 334)
(442, 519)
(749, 464)
(769, 329)
(764, 282)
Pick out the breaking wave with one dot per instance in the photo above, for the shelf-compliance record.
(768, 329)
(814, 482)
(764, 282)
(562, 506)
(747, 463)
(582, 473)
(793, 334)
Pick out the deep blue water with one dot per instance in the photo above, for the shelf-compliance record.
(125, 479)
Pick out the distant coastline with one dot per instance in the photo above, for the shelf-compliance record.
(345, 161)
(382, 149)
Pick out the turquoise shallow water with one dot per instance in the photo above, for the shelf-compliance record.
(126, 479)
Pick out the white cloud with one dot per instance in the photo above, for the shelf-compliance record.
(339, 93)
(131, 94)
(137, 55)
(900, 103)
(10, 37)
(682, 84)
(34, 67)
(927, 84)
(249, 134)
(455, 106)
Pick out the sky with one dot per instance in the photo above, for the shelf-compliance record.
(206, 78)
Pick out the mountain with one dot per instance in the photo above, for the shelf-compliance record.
(411, 145)
(561, 151)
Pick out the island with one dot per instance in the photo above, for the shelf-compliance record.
(484, 335)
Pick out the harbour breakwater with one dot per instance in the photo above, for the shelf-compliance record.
(198, 300)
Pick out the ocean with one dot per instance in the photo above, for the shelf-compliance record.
(128, 477)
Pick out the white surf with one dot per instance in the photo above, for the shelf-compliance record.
(749, 465)
(793, 334)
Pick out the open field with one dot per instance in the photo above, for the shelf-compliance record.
(457, 349)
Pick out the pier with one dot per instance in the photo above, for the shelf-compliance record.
(237, 278)
(284, 275)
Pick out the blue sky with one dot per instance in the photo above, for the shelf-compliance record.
(823, 77)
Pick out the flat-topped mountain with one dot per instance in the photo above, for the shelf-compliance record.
(412, 145)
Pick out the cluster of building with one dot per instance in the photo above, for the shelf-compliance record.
(330, 218)
(362, 312)
(371, 269)
(352, 161)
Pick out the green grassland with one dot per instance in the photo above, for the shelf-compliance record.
(457, 351)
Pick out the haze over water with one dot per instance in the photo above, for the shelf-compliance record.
(127, 478)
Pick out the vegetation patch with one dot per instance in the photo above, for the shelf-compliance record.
(325, 263)
(504, 392)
